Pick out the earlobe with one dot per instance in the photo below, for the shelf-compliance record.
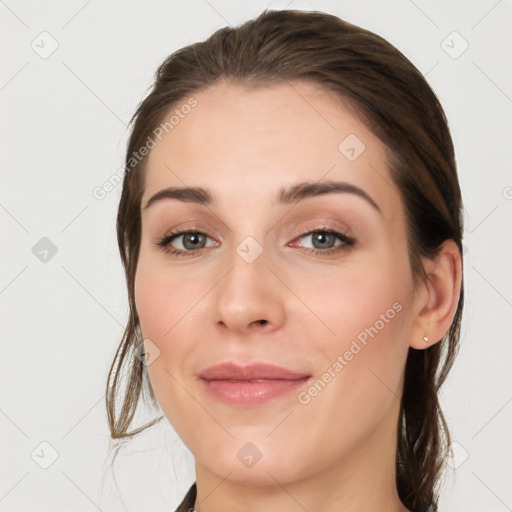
(438, 298)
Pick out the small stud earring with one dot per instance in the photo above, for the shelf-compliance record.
(425, 339)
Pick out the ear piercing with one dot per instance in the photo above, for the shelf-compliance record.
(425, 339)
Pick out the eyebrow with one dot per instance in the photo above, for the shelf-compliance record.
(288, 195)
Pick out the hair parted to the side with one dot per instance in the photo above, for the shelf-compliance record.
(394, 100)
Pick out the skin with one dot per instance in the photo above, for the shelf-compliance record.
(244, 145)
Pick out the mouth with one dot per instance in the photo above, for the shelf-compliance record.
(250, 385)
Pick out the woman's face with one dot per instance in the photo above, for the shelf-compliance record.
(315, 280)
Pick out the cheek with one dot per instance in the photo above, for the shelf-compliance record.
(162, 298)
(152, 302)
(367, 312)
(360, 364)
(351, 299)
(159, 307)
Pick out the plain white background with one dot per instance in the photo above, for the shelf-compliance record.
(63, 133)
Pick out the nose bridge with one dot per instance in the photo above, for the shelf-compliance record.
(249, 294)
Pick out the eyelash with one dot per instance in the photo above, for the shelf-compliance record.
(346, 242)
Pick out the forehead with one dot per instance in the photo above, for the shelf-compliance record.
(239, 138)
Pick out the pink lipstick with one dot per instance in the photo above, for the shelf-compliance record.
(250, 385)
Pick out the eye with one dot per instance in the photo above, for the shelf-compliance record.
(325, 242)
(183, 242)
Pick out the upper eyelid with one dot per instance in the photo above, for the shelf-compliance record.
(321, 223)
(305, 231)
(324, 227)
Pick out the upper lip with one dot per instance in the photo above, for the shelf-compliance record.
(254, 371)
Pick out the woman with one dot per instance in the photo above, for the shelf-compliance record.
(290, 226)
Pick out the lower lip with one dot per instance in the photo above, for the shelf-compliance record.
(247, 393)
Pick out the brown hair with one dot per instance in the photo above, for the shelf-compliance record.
(397, 104)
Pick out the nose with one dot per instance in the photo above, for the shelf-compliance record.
(249, 298)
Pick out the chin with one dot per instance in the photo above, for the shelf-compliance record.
(256, 462)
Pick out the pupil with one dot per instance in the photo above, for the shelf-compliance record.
(192, 240)
(323, 238)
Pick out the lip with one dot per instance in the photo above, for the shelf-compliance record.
(250, 385)
(254, 371)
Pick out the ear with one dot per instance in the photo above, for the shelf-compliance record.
(437, 297)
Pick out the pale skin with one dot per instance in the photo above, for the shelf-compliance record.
(245, 146)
